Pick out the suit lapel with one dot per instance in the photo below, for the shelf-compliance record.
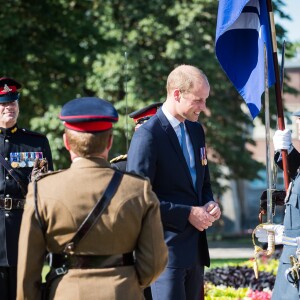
(195, 138)
(167, 127)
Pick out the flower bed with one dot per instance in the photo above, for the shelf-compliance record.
(223, 293)
(238, 281)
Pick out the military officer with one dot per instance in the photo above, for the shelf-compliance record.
(287, 284)
(139, 117)
(96, 268)
(18, 150)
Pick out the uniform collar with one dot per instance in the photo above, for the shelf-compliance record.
(91, 162)
(8, 131)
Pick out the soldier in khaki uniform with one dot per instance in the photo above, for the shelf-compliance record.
(130, 223)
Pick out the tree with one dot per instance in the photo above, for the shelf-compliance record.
(122, 51)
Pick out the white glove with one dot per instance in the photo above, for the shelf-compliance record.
(262, 233)
(282, 139)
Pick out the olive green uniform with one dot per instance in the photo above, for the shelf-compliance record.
(131, 222)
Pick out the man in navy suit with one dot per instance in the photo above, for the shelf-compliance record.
(170, 150)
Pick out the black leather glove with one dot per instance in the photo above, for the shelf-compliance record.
(278, 197)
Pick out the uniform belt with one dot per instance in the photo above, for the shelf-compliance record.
(91, 261)
(291, 241)
(11, 203)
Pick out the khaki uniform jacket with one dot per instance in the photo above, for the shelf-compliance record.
(131, 222)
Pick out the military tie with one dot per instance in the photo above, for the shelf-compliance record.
(186, 153)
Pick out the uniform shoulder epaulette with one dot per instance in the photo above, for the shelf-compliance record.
(32, 132)
(43, 175)
(118, 158)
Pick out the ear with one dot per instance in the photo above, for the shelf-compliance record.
(66, 142)
(110, 142)
(176, 94)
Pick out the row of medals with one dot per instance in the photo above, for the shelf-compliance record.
(24, 159)
(203, 156)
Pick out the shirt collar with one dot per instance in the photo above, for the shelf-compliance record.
(173, 121)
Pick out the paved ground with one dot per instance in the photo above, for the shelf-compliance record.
(231, 252)
(231, 249)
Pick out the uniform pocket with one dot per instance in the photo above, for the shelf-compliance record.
(286, 253)
(285, 264)
(293, 200)
(292, 213)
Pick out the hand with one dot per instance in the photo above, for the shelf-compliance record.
(278, 197)
(282, 139)
(213, 209)
(262, 233)
(200, 218)
(40, 167)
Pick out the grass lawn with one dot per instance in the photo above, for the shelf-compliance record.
(225, 261)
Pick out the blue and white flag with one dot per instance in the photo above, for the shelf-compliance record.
(242, 30)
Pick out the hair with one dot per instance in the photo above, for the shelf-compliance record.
(86, 144)
(184, 77)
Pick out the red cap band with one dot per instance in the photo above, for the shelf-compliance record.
(13, 89)
(89, 126)
(149, 113)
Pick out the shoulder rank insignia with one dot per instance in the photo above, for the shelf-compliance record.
(32, 132)
(118, 158)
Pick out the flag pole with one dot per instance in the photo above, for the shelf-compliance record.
(278, 91)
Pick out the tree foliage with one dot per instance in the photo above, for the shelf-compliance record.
(122, 50)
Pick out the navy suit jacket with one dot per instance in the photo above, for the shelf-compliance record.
(155, 152)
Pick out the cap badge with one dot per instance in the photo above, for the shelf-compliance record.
(6, 88)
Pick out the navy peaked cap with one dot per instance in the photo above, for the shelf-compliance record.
(145, 112)
(9, 90)
(89, 114)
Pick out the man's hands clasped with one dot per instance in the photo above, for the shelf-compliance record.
(202, 217)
